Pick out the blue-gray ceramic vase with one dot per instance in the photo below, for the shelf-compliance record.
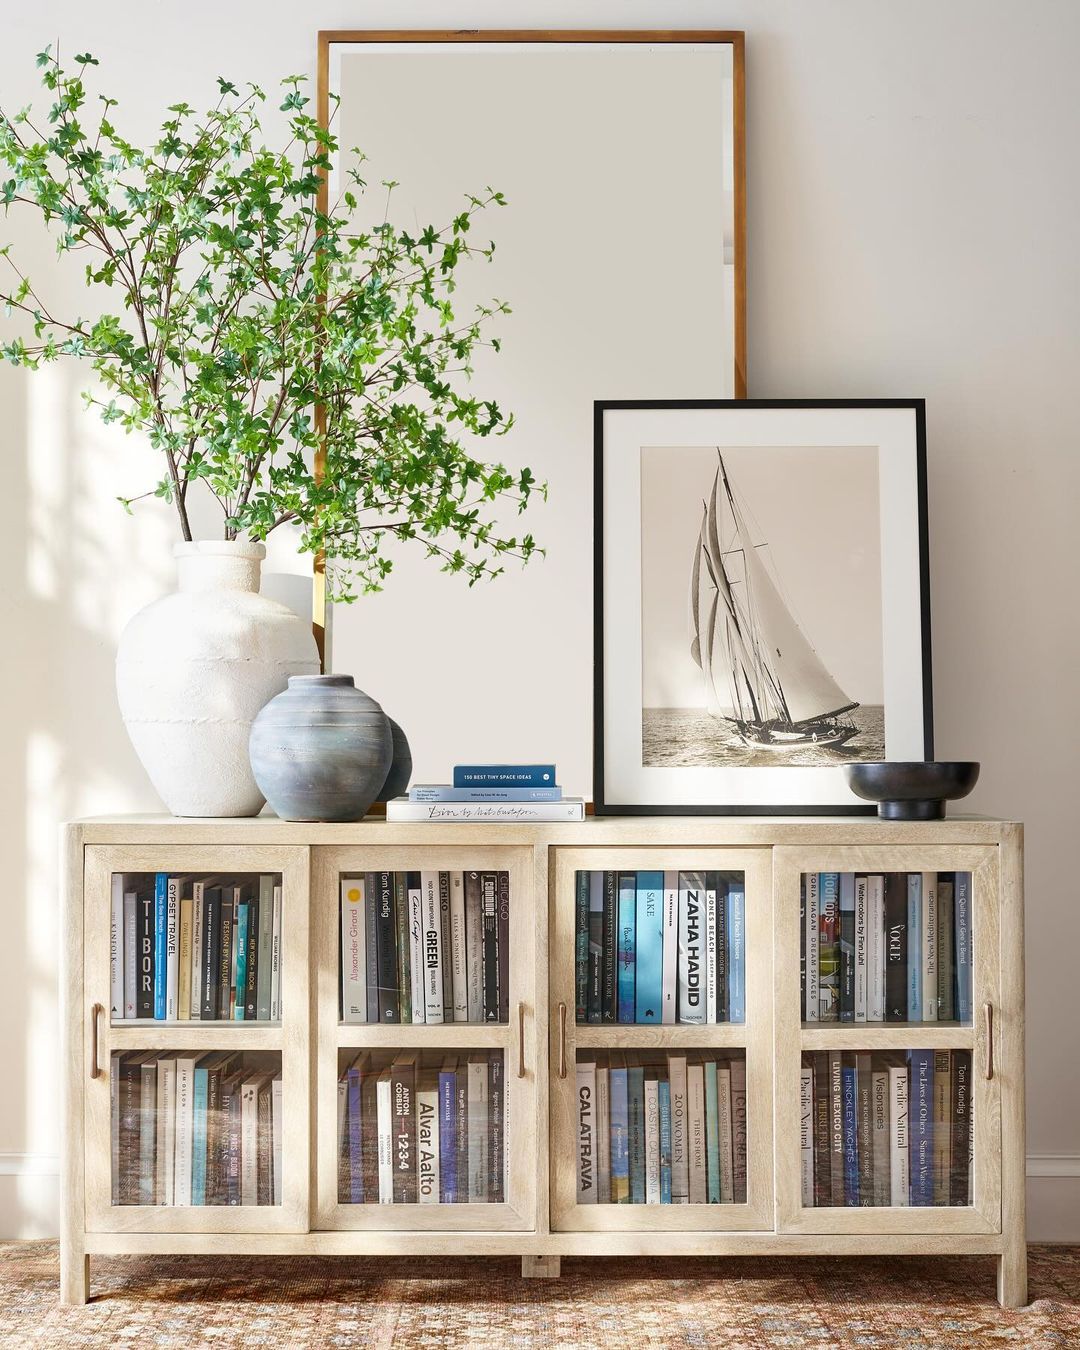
(321, 750)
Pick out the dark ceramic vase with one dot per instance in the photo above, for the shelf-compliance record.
(321, 750)
(912, 790)
(397, 780)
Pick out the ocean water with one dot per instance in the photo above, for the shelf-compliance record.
(690, 738)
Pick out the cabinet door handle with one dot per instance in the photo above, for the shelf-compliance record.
(95, 1016)
(521, 1040)
(988, 1010)
(562, 1040)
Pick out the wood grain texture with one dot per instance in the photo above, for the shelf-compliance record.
(74, 1263)
(1009, 1071)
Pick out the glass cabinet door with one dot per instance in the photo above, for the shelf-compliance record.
(661, 1039)
(888, 1094)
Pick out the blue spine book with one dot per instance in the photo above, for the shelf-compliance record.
(438, 792)
(663, 1097)
(241, 959)
(627, 925)
(504, 775)
(921, 1126)
(962, 950)
(447, 1138)
(635, 1098)
(736, 962)
(712, 1135)
(198, 1137)
(914, 947)
(620, 1138)
(850, 1126)
(649, 954)
(356, 1156)
(581, 944)
(161, 955)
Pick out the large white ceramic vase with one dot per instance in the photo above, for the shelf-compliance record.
(194, 669)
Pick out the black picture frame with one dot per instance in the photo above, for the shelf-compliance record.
(600, 407)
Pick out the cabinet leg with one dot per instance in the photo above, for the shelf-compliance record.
(541, 1267)
(1012, 1276)
(74, 1275)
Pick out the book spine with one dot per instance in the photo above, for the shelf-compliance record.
(921, 1126)
(811, 941)
(649, 959)
(415, 900)
(447, 1137)
(829, 947)
(210, 954)
(433, 792)
(249, 1141)
(567, 809)
(147, 1103)
(131, 954)
(183, 988)
(503, 883)
(198, 902)
(899, 1185)
(710, 948)
(385, 1138)
(652, 1141)
(596, 948)
(504, 775)
(474, 946)
(145, 991)
(581, 944)
(962, 944)
(116, 949)
(478, 1129)
(353, 953)
(736, 962)
(609, 962)
(227, 965)
(620, 1146)
(627, 919)
(586, 1132)
(433, 955)
(371, 945)
(875, 942)
(696, 1149)
(496, 1128)
(822, 1108)
(861, 948)
(275, 954)
(459, 947)
(198, 1137)
(691, 968)
(725, 1135)
(847, 947)
(489, 909)
(403, 1108)
(172, 949)
(915, 948)
(722, 980)
(680, 1163)
(402, 946)
(161, 948)
(663, 1110)
(635, 1102)
(165, 1137)
(670, 1004)
(254, 946)
(712, 1136)
(806, 1136)
(849, 1098)
(836, 1128)
(263, 964)
(234, 1147)
(446, 947)
(802, 945)
(277, 1106)
(946, 972)
(386, 948)
(427, 1139)
(896, 986)
(738, 1129)
(879, 1105)
(243, 946)
(960, 1130)
(942, 1126)
(602, 1135)
(185, 1091)
(865, 1126)
(930, 944)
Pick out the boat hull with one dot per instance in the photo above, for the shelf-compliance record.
(786, 736)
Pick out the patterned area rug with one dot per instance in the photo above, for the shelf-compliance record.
(292, 1302)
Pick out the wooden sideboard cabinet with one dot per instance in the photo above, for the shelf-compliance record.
(284, 1076)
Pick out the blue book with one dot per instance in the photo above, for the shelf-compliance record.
(356, 1156)
(914, 947)
(736, 953)
(161, 954)
(663, 1097)
(962, 952)
(241, 959)
(447, 1138)
(504, 775)
(627, 925)
(635, 1097)
(620, 1138)
(649, 953)
(198, 1137)
(432, 792)
(921, 1126)
(712, 1135)
(850, 1126)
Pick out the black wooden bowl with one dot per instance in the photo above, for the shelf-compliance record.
(916, 790)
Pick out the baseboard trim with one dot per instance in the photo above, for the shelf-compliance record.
(1053, 1165)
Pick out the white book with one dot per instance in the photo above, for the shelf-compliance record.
(433, 954)
(585, 1099)
(680, 1162)
(172, 948)
(879, 1107)
(116, 949)
(875, 950)
(416, 950)
(478, 1129)
(695, 1133)
(724, 1134)
(458, 947)
(691, 972)
(811, 939)
(670, 930)
(165, 1133)
(277, 1126)
(474, 949)
(602, 1137)
(427, 1141)
(710, 953)
(862, 911)
(249, 1140)
(198, 889)
(898, 1134)
(929, 947)
(185, 1097)
(652, 1141)
(353, 951)
(806, 1136)
(384, 1119)
(131, 954)
(569, 808)
(275, 959)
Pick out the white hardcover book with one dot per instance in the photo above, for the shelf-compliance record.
(812, 940)
(166, 1139)
(691, 972)
(416, 951)
(680, 1162)
(898, 1134)
(277, 1126)
(862, 911)
(185, 1097)
(669, 987)
(275, 960)
(433, 954)
(585, 1099)
(427, 1138)
(458, 947)
(602, 1135)
(652, 1141)
(724, 1134)
(131, 954)
(806, 1136)
(569, 808)
(710, 953)
(172, 948)
(198, 890)
(929, 947)
(695, 1133)
(353, 951)
(385, 1127)
(474, 949)
(249, 1141)
(478, 1129)
(116, 949)
(875, 950)
(879, 1107)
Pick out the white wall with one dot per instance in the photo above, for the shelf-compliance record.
(913, 199)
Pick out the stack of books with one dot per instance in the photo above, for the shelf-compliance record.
(892, 947)
(490, 793)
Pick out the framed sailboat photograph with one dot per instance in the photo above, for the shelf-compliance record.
(762, 612)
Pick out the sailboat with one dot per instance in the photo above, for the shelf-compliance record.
(761, 673)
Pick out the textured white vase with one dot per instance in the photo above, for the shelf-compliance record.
(194, 669)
